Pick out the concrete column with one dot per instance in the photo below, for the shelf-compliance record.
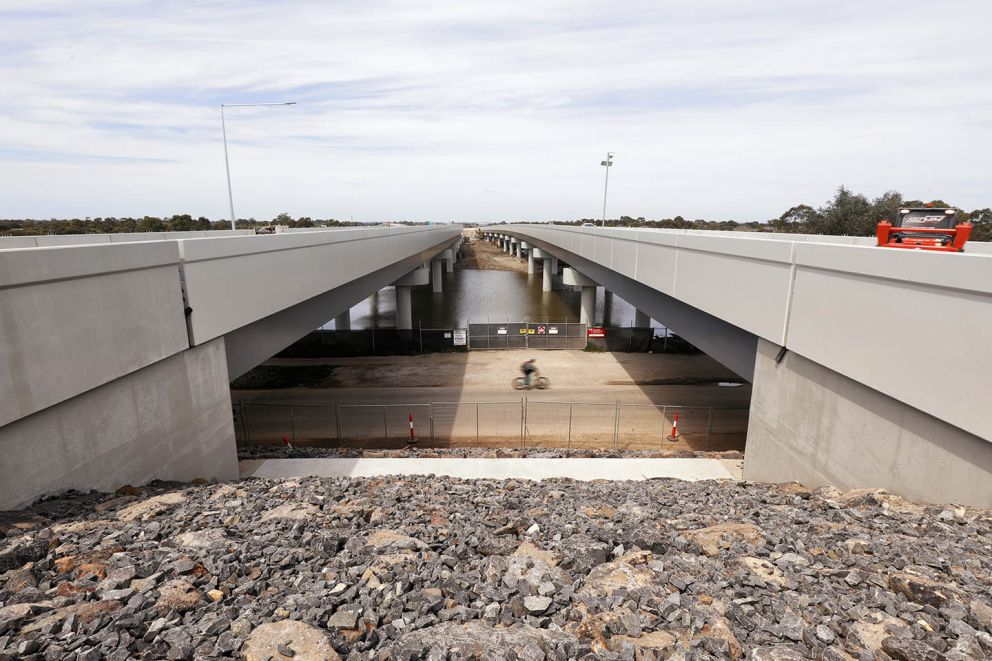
(641, 319)
(588, 309)
(530, 262)
(436, 275)
(449, 260)
(404, 314)
(546, 269)
(554, 266)
(343, 321)
(521, 245)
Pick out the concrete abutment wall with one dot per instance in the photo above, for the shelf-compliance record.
(812, 425)
(169, 421)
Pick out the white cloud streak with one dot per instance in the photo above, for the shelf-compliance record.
(490, 110)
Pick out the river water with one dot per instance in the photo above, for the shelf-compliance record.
(480, 296)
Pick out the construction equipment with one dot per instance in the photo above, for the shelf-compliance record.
(925, 228)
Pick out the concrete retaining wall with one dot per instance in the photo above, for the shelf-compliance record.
(170, 420)
(815, 426)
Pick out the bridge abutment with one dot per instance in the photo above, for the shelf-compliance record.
(170, 421)
(815, 426)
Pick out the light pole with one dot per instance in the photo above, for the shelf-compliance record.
(608, 163)
(223, 129)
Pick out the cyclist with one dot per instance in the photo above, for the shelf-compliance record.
(529, 368)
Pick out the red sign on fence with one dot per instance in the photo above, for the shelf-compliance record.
(596, 331)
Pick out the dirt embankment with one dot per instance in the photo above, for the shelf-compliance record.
(480, 254)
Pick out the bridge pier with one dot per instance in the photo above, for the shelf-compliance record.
(587, 307)
(641, 319)
(554, 265)
(545, 267)
(518, 247)
(404, 313)
(449, 260)
(530, 262)
(343, 321)
(436, 275)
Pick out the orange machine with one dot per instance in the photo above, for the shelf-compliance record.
(925, 229)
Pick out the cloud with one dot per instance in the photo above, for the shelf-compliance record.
(716, 109)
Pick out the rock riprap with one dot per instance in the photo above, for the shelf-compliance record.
(442, 568)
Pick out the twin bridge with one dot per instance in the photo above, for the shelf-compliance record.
(869, 366)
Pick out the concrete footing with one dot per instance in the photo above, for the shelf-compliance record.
(815, 426)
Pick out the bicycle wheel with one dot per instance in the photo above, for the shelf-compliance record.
(542, 383)
(519, 383)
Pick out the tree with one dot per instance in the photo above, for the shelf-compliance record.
(982, 221)
(800, 218)
(282, 219)
(181, 223)
(150, 224)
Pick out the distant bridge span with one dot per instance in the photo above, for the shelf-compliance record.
(870, 367)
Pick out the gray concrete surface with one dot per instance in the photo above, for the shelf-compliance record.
(495, 469)
(170, 420)
(815, 426)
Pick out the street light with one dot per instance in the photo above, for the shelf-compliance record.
(223, 128)
(608, 163)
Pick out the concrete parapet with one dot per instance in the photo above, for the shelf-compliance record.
(75, 318)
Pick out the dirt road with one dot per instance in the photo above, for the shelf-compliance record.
(480, 254)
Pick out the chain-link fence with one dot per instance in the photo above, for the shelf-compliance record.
(523, 422)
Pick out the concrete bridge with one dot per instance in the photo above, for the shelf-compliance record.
(870, 367)
(115, 355)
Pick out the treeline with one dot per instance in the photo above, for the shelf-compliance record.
(847, 213)
(175, 223)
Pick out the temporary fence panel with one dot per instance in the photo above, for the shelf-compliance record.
(508, 423)
(527, 335)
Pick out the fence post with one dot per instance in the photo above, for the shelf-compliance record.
(616, 426)
(292, 424)
(523, 418)
(385, 423)
(373, 336)
(337, 419)
(430, 414)
(569, 442)
(664, 423)
(477, 422)
(420, 326)
(244, 417)
(709, 428)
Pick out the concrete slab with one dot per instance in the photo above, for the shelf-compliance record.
(496, 469)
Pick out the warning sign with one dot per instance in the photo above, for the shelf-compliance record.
(541, 330)
(552, 330)
(596, 331)
(461, 337)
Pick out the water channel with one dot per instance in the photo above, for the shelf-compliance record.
(482, 296)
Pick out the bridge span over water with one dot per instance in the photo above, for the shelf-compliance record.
(116, 355)
(870, 367)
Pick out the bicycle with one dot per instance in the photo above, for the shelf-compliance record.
(525, 383)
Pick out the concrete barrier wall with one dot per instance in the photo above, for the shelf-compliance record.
(235, 282)
(54, 240)
(905, 323)
(73, 319)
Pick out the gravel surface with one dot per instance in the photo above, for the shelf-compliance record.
(433, 568)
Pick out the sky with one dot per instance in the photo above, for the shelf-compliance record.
(490, 110)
